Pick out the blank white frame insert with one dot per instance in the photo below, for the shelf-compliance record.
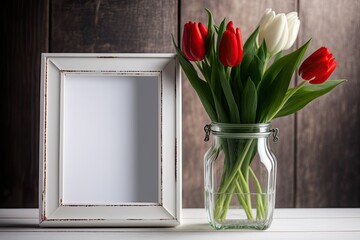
(110, 130)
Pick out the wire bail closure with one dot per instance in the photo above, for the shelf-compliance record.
(207, 129)
(275, 132)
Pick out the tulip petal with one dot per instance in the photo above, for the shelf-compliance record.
(185, 42)
(315, 58)
(267, 18)
(323, 78)
(313, 70)
(230, 27)
(196, 43)
(228, 50)
(240, 46)
(203, 30)
(274, 34)
(318, 54)
(294, 26)
(283, 40)
(318, 67)
(291, 16)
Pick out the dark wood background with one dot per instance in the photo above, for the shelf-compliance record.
(318, 153)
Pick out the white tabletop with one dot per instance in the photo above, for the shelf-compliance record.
(325, 223)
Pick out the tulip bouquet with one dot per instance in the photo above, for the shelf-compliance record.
(249, 83)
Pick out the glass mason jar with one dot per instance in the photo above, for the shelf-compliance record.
(240, 176)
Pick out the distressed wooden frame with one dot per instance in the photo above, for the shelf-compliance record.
(57, 69)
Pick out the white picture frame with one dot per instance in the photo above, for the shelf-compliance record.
(110, 140)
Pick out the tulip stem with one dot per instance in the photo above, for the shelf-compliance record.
(228, 73)
(265, 66)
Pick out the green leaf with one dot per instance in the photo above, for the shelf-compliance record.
(305, 94)
(250, 44)
(220, 33)
(253, 64)
(221, 113)
(248, 55)
(244, 66)
(277, 56)
(209, 42)
(262, 52)
(235, 72)
(217, 92)
(249, 102)
(236, 84)
(201, 87)
(255, 70)
(273, 87)
(214, 79)
(206, 71)
(225, 84)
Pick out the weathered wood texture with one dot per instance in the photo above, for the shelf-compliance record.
(113, 26)
(246, 15)
(24, 35)
(318, 153)
(328, 130)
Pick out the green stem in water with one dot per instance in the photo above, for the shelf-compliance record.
(235, 168)
(222, 204)
(227, 186)
(243, 203)
(260, 204)
(235, 180)
(223, 201)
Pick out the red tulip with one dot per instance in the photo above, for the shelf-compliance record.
(231, 47)
(318, 67)
(193, 42)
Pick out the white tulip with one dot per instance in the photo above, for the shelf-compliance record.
(294, 26)
(278, 30)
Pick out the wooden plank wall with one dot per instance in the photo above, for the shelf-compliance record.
(318, 153)
(24, 32)
(328, 142)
